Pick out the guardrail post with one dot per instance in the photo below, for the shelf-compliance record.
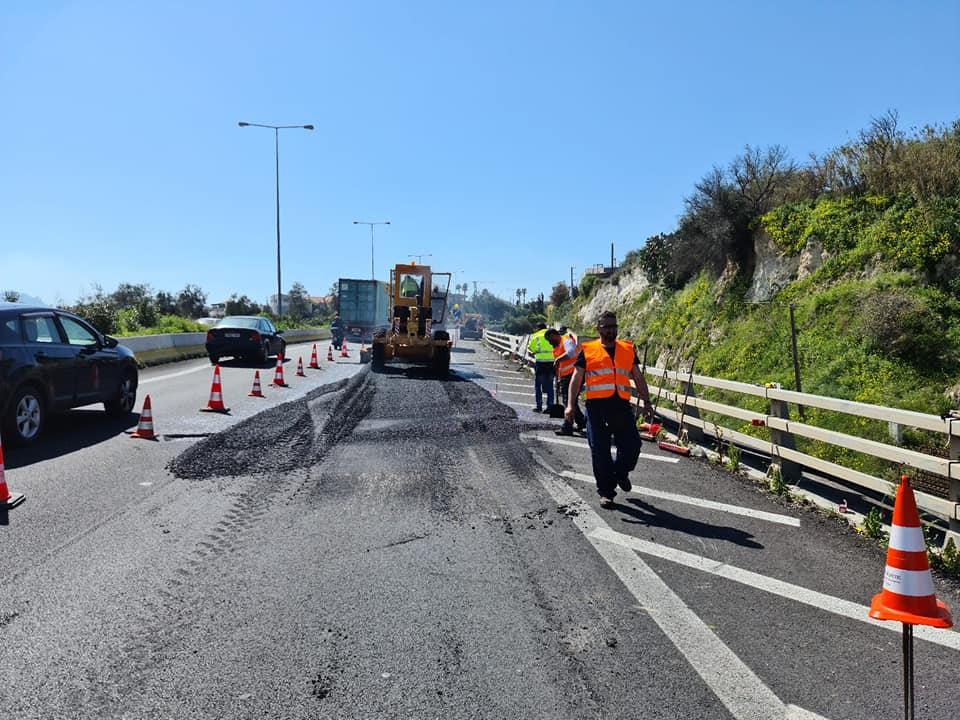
(954, 448)
(694, 434)
(789, 470)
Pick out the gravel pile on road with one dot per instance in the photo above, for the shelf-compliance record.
(293, 435)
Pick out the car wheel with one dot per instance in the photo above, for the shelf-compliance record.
(122, 403)
(283, 348)
(264, 354)
(26, 416)
(214, 359)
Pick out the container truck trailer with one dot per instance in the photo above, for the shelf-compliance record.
(364, 307)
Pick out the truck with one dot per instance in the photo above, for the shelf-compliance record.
(472, 328)
(418, 330)
(364, 308)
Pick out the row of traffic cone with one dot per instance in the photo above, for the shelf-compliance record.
(146, 431)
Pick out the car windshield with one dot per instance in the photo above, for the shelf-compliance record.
(239, 322)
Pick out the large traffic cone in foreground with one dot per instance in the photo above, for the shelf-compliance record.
(300, 372)
(344, 353)
(144, 429)
(256, 392)
(215, 404)
(7, 499)
(908, 595)
(314, 363)
(330, 354)
(278, 374)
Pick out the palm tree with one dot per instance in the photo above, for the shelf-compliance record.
(518, 296)
(524, 291)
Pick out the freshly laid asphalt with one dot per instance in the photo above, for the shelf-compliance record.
(388, 545)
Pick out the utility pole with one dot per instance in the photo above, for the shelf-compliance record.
(796, 358)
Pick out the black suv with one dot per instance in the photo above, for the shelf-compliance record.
(51, 361)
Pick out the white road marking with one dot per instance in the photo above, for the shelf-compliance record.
(736, 685)
(583, 444)
(506, 384)
(835, 605)
(176, 374)
(513, 392)
(698, 502)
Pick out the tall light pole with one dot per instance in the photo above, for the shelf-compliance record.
(420, 256)
(371, 224)
(276, 148)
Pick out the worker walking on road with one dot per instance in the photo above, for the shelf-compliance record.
(605, 367)
(542, 352)
(565, 352)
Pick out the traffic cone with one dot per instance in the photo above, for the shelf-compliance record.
(344, 353)
(330, 354)
(144, 429)
(908, 595)
(314, 363)
(7, 499)
(215, 404)
(256, 392)
(278, 374)
(300, 372)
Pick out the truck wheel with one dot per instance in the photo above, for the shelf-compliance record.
(441, 362)
(377, 357)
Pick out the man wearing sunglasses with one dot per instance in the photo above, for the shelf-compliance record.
(605, 368)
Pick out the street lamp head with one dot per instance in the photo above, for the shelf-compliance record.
(243, 124)
(356, 222)
(387, 222)
(308, 127)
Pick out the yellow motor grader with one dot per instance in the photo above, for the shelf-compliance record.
(418, 332)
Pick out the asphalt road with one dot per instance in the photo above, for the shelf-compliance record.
(388, 545)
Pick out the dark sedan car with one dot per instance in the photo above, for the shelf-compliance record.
(51, 361)
(238, 336)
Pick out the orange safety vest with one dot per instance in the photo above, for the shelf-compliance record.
(566, 363)
(603, 377)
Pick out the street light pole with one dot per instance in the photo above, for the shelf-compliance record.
(276, 157)
(373, 275)
(420, 256)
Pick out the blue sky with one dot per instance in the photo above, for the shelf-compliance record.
(510, 140)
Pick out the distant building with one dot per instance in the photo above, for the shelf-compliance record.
(273, 303)
(218, 310)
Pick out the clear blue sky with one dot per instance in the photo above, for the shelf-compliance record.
(511, 140)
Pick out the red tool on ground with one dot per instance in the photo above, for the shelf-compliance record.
(144, 429)
(7, 499)
(649, 431)
(680, 447)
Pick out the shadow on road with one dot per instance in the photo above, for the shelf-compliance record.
(252, 364)
(66, 433)
(643, 513)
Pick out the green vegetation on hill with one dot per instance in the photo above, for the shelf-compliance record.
(878, 321)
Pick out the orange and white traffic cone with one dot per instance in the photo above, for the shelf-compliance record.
(144, 429)
(256, 392)
(300, 372)
(344, 353)
(908, 595)
(314, 363)
(215, 404)
(278, 374)
(7, 499)
(330, 354)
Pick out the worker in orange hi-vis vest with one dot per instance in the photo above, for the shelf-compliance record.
(605, 367)
(565, 352)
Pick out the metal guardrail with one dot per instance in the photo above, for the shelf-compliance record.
(781, 447)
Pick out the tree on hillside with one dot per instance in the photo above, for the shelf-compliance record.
(560, 294)
(192, 302)
(760, 174)
(165, 303)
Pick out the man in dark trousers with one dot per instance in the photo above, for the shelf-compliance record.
(605, 368)
(336, 331)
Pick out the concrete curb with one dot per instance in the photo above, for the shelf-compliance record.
(158, 349)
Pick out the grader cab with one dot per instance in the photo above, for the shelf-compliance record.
(418, 330)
